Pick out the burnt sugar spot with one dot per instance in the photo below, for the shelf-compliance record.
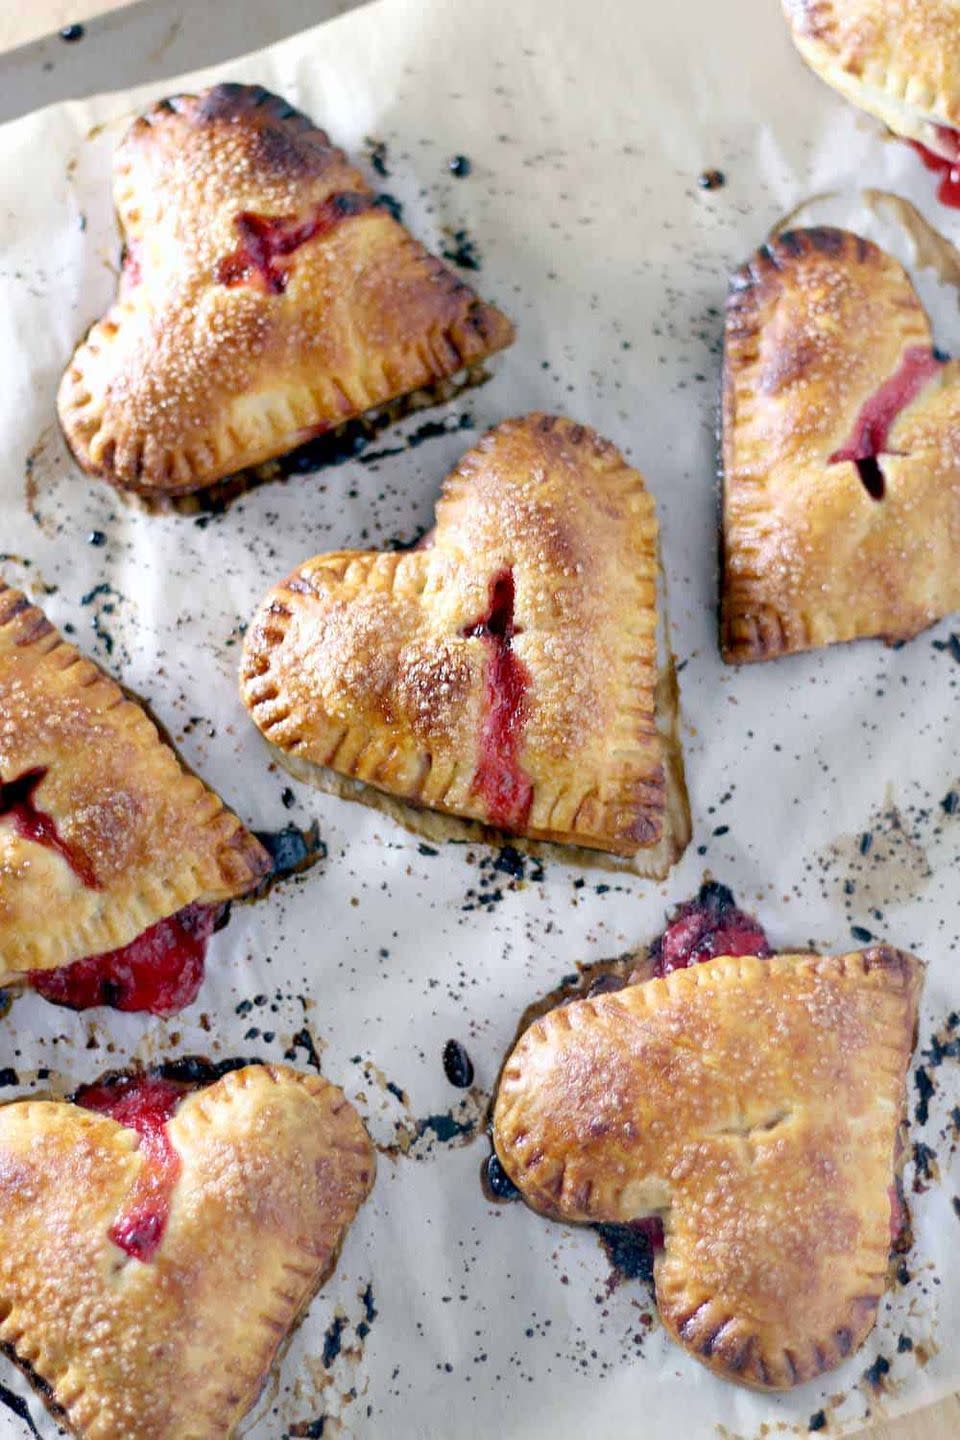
(291, 849)
(950, 646)
(103, 600)
(506, 871)
(457, 1065)
(308, 1429)
(333, 1339)
(377, 156)
(495, 1182)
(429, 430)
(417, 1137)
(461, 250)
(926, 1170)
(630, 1249)
(447, 1126)
(333, 1374)
(876, 1374)
(303, 1043)
(350, 442)
(390, 203)
(943, 1045)
(18, 1406)
(369, 1309)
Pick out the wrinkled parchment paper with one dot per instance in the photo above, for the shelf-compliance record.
(586, 126)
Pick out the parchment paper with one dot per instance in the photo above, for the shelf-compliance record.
(587, 126)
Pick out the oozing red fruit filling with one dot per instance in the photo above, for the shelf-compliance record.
(500, 781)
(703, 928)
(144, 1104)
(159, 972)
(871, 433)
(266, 240)
(16, 805)
(946, 166)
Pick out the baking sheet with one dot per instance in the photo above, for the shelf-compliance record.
(586, 127)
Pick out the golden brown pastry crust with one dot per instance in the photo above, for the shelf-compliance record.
(899, 61)
(363, 661)
(817, 321)
(754, 1104)
(200, 369)
(155, 838)
(275, 1165)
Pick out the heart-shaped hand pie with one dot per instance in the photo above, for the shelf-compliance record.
(504, 672)
(901, 62)
(111, 854)
(267, 296)
(146, 1283)
(841, 452)
(755, 1104)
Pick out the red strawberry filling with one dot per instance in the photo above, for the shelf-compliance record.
(500, 781)
(703, 928)
(160, 972)
(267, 240)
(145, 1104)
(871, 433)
(946, 164)
(17, 805)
